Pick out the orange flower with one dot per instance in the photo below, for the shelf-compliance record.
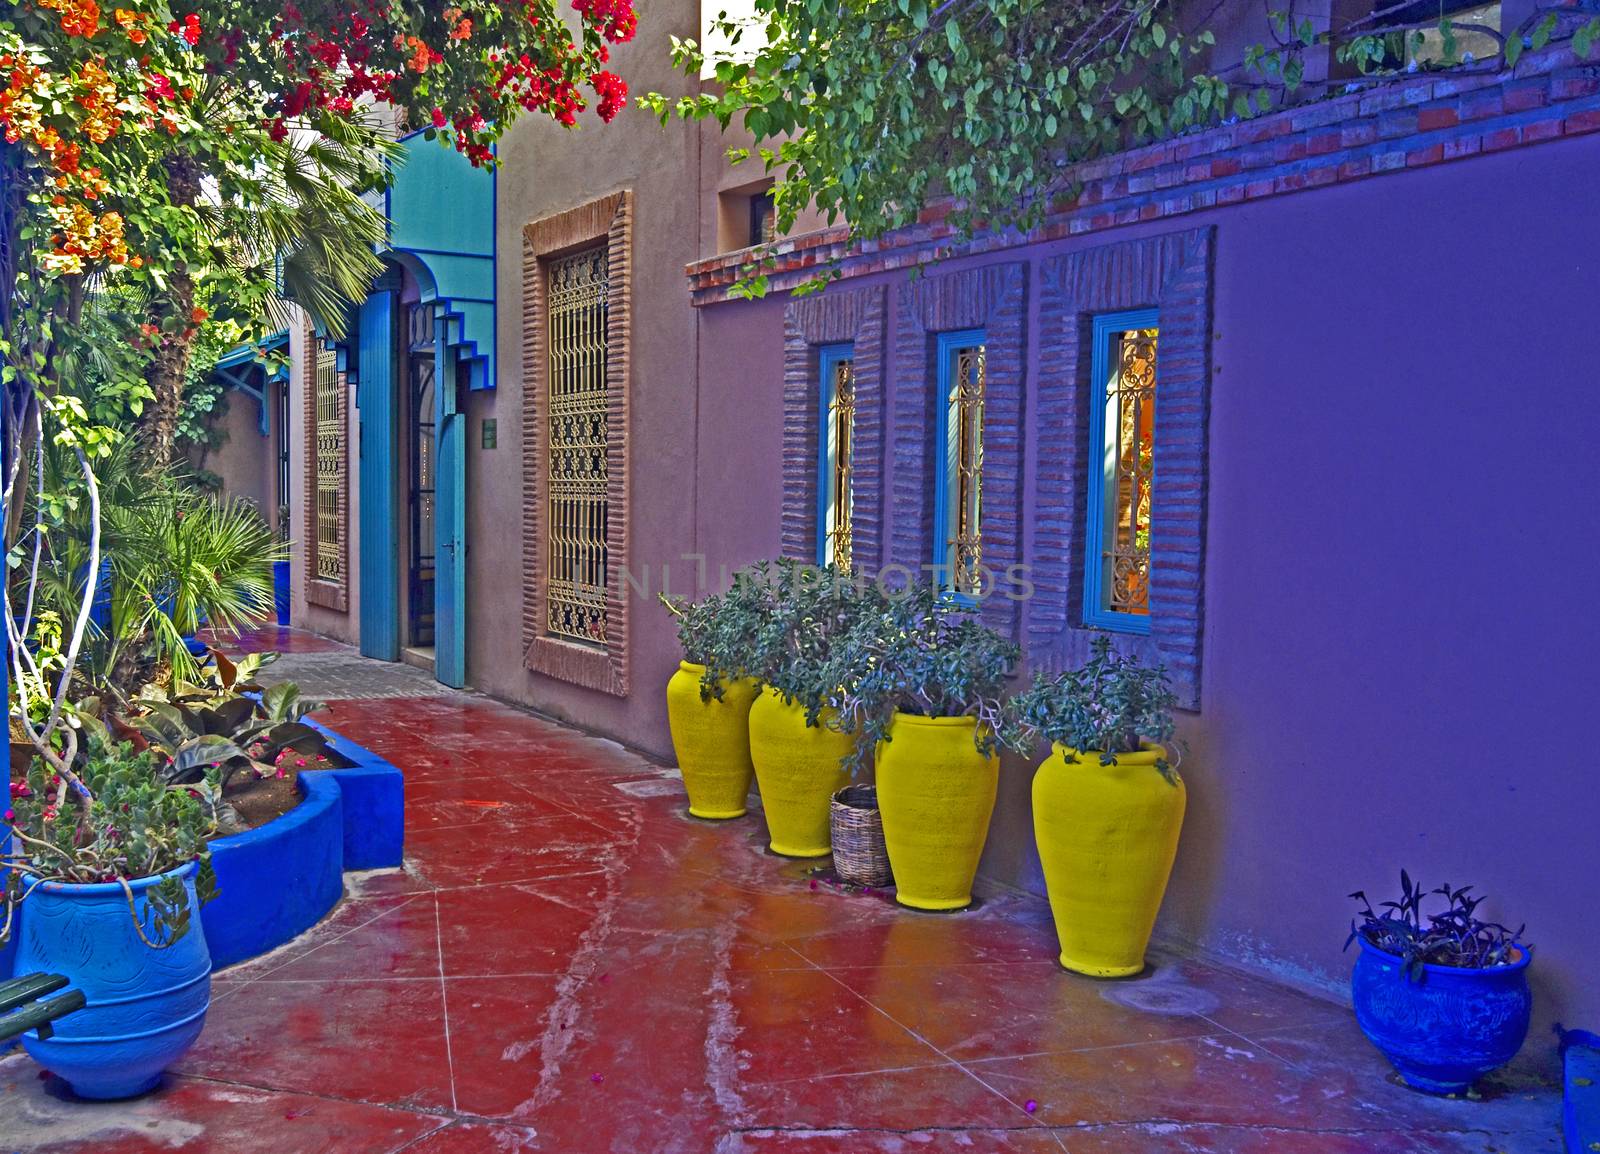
(198, 314)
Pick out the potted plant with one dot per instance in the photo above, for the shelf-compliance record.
(1444, 995)
(281, 588)
(1108, 805)
(919, 681)
(796, 745)
(114, 870)
(709, 698)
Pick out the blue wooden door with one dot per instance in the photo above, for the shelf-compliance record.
(450, 515)
(379, 535)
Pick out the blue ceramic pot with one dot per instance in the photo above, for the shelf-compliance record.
(144, 1007)
(280, 591)
(1447, 1030)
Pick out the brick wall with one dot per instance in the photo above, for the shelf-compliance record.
(854, 315)
(994, 299)
(1172, 273)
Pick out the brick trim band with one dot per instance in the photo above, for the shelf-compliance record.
(995, 299)
(1430, 119)
(855, 315)
(334, 595)
(1173, 273)
(610, 219)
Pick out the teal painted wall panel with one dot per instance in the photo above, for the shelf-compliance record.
(379, 534)
(440, 202)
(449, 521)
(441, 213)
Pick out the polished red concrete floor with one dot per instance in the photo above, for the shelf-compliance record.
(568, 963)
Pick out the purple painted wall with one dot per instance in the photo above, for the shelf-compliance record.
(1401, 552)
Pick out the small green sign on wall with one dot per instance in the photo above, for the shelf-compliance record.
(491, 432)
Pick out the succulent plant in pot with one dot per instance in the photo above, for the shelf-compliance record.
(1444, 995)
(113, 882)
(709, 697)
(1108, 805)
(919, 678)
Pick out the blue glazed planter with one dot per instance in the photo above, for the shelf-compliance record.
(1448, 1030)
(280, 591)
(145, 1006)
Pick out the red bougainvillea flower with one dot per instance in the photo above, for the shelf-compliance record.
(616, 19)
(613, 93)
(188, 28)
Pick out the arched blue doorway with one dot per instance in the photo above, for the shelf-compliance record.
(412, 394)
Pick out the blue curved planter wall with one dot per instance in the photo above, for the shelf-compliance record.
(277, 881)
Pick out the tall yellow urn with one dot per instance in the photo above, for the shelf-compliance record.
(936, 794)
(797, 770)
(712, 741)
(1107, 837)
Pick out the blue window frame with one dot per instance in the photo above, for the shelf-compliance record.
(1122, 407)
(958, 463)
(836, 423)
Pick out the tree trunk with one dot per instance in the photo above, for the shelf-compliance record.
(174, 313)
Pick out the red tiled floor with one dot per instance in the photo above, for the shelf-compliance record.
(565, 966)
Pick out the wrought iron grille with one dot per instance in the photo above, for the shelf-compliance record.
(964, 428)
(1131, 401)
(841, 437)
(576, 576)
(330, 469)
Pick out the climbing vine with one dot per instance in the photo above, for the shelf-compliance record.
(874, 111)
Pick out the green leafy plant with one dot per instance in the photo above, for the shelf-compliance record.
(722, 631)
(814, 610)
(1454, 936)
(1113, 704)
(212, 732)
(918, 651)
(131, 826)
(876, 112)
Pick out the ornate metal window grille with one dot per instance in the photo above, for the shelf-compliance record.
(330, 469)
(958, 503)
(575, 591)
(1122, 484)
(837, 370)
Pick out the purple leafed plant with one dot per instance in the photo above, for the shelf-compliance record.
(1455, 936)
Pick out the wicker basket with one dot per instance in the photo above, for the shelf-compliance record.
(859, 854)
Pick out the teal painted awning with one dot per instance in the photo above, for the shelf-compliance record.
(441, 213)
(243, 368)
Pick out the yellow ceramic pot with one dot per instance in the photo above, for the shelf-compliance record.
(1107, 836)
(797, 771)
(712, 741)
(936, 795)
